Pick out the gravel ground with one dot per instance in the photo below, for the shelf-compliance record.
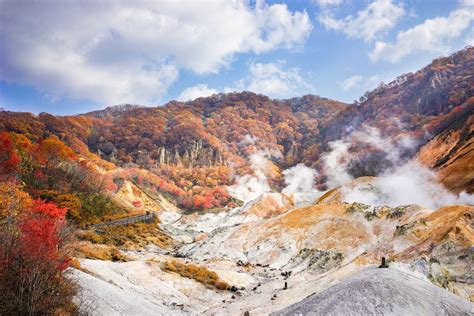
(375, 291)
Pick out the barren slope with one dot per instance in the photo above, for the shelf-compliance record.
(374, 291)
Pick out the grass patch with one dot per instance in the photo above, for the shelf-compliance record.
(200, 274)
(88, 250)
(131, 236)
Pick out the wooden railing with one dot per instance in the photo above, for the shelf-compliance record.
(147, 218)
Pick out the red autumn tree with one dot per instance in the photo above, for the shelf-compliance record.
(9, 158)
(32, 257)
(198, 202)
(40, 234)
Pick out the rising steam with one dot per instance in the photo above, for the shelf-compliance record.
(249, 187)
(299, 178)
(405, 182)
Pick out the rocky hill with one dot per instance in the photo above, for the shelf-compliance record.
(391, 292)
(412, 101)
(260, 203)
(274, 255)
(451, 153)
(224, 129)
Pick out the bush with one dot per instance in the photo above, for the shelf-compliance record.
(32, 259)
(94, 207)
(200, 274)
(95, 251)
(129, 236)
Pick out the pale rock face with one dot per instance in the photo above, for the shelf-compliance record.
(195, 154)
(265, 206)
(141, 288)
(254, 247)
(130, 192)
(350, 297)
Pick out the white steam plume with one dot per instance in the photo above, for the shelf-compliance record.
(407, 182)
(248, 140)
(393, 149)
(410, 183)
(335, 163)
(299, 178)
(249, 187)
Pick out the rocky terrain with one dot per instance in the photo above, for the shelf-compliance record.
(276, 252)
(383, 287)
(261, 204)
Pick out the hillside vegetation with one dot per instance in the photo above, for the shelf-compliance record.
(63, 179)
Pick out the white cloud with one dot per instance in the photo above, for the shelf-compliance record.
(325, 3)
(351, 82)
(466, 3)
(379, 16)
(274, 80)
(271, 79)
(112, 51)
(194, 92)
(433, 35)
(470, 37)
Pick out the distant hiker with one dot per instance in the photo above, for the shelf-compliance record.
(286, 286)
(147, 212)
(383, 265)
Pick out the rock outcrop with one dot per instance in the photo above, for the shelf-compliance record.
(194, 155)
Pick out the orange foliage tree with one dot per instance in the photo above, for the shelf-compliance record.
(32, 257)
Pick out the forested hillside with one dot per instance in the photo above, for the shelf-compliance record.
(190, 151)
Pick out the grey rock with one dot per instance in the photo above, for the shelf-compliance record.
(374, 291)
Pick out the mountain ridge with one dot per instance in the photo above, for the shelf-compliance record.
(223, 130)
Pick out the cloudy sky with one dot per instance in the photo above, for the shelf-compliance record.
(67, 57)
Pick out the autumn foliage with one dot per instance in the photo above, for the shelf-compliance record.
(198, 273)
(185, 151)
(9, 158)
(32, 257)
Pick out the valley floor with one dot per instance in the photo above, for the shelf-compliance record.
(275, 252)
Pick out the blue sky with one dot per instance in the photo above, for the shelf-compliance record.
(74, 57)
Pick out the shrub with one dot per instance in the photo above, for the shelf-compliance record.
(95, 207)
(95, 251)
(200, 274)
(13, 200)
(32, 258)
(129, 236)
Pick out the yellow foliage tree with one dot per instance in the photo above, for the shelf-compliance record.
(72, 203)
(13, 200)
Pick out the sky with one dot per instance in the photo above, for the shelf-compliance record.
(69, 57)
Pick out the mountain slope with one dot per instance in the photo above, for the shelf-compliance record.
(381, 291)
(451, 154)
(413, 100)
(203, 144)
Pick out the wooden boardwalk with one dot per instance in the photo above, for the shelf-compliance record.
(146, 218)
